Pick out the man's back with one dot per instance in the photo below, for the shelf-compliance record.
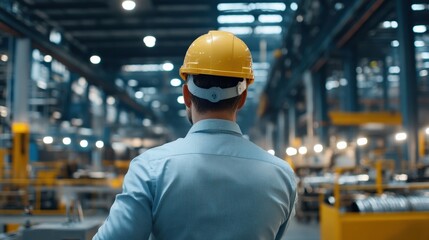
(214, 184)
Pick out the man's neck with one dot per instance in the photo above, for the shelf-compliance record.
(224, 115)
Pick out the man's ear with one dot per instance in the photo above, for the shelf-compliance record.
(242, 100)
(186, 95)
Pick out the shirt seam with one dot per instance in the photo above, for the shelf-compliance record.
(211, 154)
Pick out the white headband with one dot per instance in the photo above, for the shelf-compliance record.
(215, 94)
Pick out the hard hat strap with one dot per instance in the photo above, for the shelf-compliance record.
(215, 94)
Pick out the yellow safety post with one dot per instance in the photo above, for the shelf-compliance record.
(2, 156)
(379, 177)
(20, 150)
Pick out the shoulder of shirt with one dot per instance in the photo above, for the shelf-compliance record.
(166, 151)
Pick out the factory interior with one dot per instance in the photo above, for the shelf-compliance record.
(340, 93)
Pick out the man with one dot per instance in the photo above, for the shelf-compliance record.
(214, 183)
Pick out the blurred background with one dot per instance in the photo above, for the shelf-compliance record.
(341, 93)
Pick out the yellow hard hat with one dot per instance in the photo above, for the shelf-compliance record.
(218, 53)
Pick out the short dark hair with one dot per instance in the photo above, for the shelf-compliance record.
(208, 81)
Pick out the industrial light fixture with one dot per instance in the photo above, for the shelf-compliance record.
(302, 150)
(138, 94)
(425, 55)
(271, 151)
(400, 136)
(95, 59)
(55, 37)
(167, 67)
(181, 100)
(175, 82)
(270, 18)
(419, 29)
(4, 57)
(394, 43)
(225, 19)
(147, 122)
(341, 145)
(427, 131)
(418, 7)
(247, 7)
(83, 143)
(290, 151)
(149, 41)
(66, 141)
(110, 100)
(133, 83)
(268, 30)
(47, 58)
(419, 43)
(99, 144)
(318, 148)
(128, 5)
(362, 141)
(48, 140)
(294, 6)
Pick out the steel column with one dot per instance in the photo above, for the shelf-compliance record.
(280, 143)
(321, 107)
(385, 85)
(408, 80)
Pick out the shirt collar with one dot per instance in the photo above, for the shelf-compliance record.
(216, 126)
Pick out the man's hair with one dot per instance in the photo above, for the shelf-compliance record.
(208, 81)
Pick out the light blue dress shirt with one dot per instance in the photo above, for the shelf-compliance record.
(212, 184)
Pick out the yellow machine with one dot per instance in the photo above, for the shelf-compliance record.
(337, 224)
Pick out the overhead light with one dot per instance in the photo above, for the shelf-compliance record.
(149, 41)
(425, 55)
(55, 37)
(237, 30)
(419, 43)
(299, 18)
(294, 6)
(222, 19)
(338, 6)
(148, 67)
(110, 100)
(47, 58)
(362, 141)
(423, 73)
(247, 7)
(181, 100)
(66, 141)
(175, 82)
(427, 131)
(167, 67)
(272, 152)
(4, 57)
(95, 59)
(138, 94)
(419, 29)
(318, 148)
(394, 24)
(386, 24)
(156, 104)
(341, 145)
(128, 5)
(394, 43)
(147, 122)
(99, 144)
(83, 143)
(48, 140)
(400, 136)
(302, 150)
(268, 30)
(394, 69)
(133, 83)
(270, 18)
(290, 151)
(417, 7)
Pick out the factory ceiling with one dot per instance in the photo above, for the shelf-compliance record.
(105, 28)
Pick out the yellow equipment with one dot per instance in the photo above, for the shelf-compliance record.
(218, 53)
(20, 150)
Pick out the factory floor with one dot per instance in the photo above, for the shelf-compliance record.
(297, 230)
